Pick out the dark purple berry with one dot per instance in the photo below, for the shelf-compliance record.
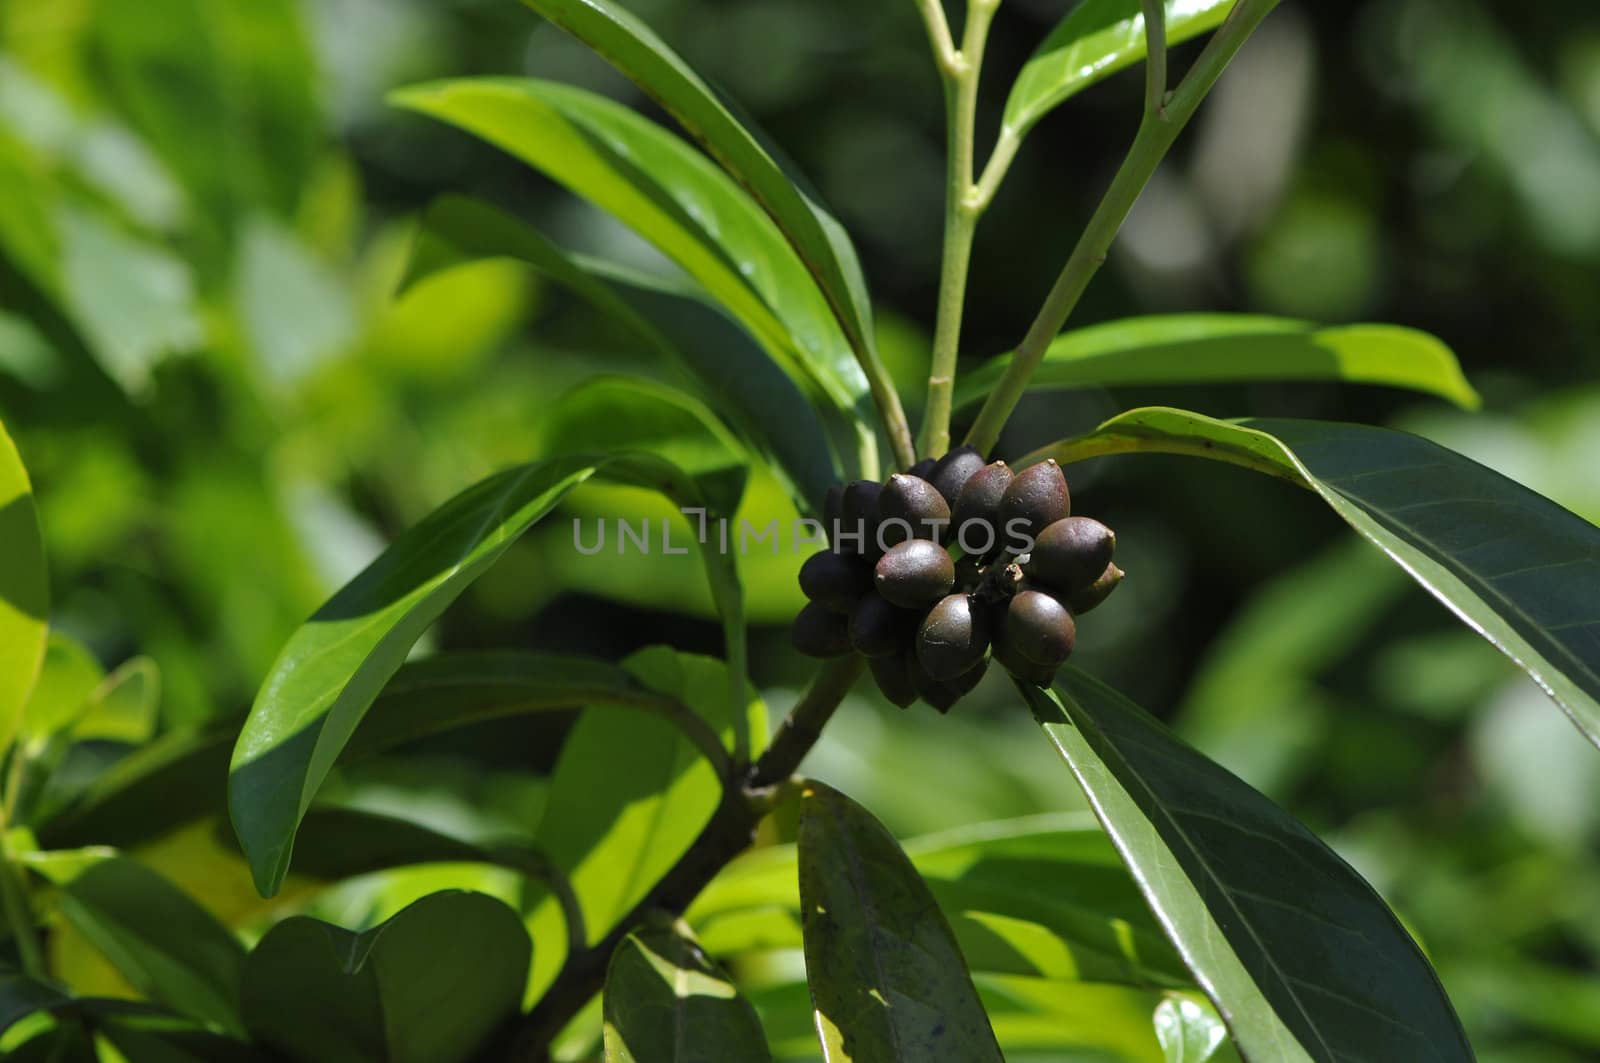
(1070, 554)
(820, 633)
(915, 574)
(953, 637)
(835, 581)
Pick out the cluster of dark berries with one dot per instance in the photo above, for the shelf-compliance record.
(928, 571)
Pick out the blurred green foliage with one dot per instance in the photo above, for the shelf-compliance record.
(205, 207)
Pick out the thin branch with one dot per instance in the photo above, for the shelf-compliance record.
(1157, 132)
(960, 225)
(729, 833)
(944, 48)
(14, 900)
(1155, 65)
(803, 726)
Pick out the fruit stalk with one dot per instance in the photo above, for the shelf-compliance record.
(1165, 115)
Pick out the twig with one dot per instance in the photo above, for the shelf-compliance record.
(729, 833)
(1157, 130)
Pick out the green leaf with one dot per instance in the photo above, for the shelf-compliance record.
(450, 690)
(123, 707)
(727, 366)
(672, 196)
(172, 781)
(237, 118)
(1034, 1019)
(1096, 39)
(1215, 348)
(1512, 565)
(666, 1002)
(24, 591)
(819, 240)
(1188, 1029)
(337, 663)
(134, 302)
(427, 986)
(339, 843)
(628, 414)
(888, 982)
(627, 799)
(1302, 958)
(21, 996)
(67, 681)
(1042, 895)
(164, 943)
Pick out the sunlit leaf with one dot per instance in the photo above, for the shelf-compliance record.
(24, 591)
(666, 1002)
(627, 799)
(1095, 40)
(623, 413)
(888, 981)
(427, 986)
(1512, 565)
(236, 118)
(1041, 895)
(157, 937)
(727, 366)
(1299, 954)
(821, 242)
(337, 663)
(1188, 1029)
(123, 707)
(1220, 348)
(672, 196)
(134, 302)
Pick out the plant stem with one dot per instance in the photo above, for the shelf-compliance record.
(18, 916)
(729, 833)
(944, 49)
(1164, 118)
(962, 208)
(803, 726)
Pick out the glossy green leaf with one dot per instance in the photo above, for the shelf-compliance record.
(672, 196)
(1302, 958)
(888, 981)
(1512, 565)
(428, 986)
(165, 944)
(1220, 348)
(24, 591)
(1095, 40)
(667, 1002)
(337, 663)
(1189, 1030)
(1043, 895)
(627, 799)
(727, 366)
(818, 238)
